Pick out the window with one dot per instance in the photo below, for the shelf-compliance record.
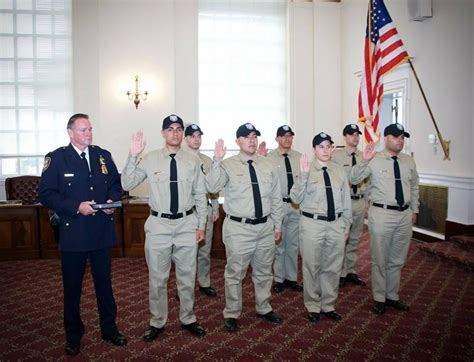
(35, 82)
(242, 68)
(394, 103)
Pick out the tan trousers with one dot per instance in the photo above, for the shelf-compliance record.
(171, 241)
(322, 251)
(204, 254)
(286, 253)
(248, 244)
(352, 244)
(390, 235)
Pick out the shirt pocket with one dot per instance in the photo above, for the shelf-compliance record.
(315, 189)
(265, 184)
(239, 184)
(186, 180)
(159, 177)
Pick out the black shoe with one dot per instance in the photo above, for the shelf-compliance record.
(278, 287)
(118, 339)
(231, 324)
(209, 291)
(72, 349)
(354, 279)
(293, 285)
(379, 308)
(313, 317)
(271, 317)
(335, 316)
(397, 305)
(151, 333)
(194, 328)
(342, 282)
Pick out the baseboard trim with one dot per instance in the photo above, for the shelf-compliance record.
(454, 228)
(420, 236)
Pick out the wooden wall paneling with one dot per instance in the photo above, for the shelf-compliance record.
(19, 232)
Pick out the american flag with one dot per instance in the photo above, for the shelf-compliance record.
(383, 52)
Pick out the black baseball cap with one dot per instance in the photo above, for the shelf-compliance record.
(246, 129)
(351, 129)
(168, 121)
(283, 130)
(395, 129)
(321, 137)
(189, 130)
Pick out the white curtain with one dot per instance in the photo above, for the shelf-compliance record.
(242, 68)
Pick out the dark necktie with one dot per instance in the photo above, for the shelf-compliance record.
(329, 195)
(173, 185)
(398, 183)
(257, 199)
(84, 161)
(289, 173)
(354, 162)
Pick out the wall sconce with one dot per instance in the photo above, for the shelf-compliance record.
(135, 97)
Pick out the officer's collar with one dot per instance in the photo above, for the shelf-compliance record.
(86, 150)
(243, 159)
(346, 148)
(388, 155)
(317, 165)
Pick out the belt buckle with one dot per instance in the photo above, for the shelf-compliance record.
(166, 216)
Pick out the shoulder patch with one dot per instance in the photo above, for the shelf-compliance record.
(47, 162)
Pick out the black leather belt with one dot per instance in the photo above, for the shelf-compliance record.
(248, 221)
(320, 217)
(390, 207)
(179, 215)
(287, 199)
(358, 197)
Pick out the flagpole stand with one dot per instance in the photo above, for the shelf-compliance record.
(445, 144)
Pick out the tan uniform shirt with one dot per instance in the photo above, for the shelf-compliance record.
(155, 166)
(206, 164)
(343, 157)
(232, 175)
(278, 160)
(382, 179)
(310, 191)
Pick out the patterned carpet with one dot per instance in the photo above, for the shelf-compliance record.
(440, 325)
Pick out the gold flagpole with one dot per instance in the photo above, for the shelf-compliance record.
(444, 144)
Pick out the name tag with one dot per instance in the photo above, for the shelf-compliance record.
(68, 175)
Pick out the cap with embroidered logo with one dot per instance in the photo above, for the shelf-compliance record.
(189, 130)
(283, 130)
(173, 118)
(351, 129)
(395, 129)
(321, 137)
(246, 129)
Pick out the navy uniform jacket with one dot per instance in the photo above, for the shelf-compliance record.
(65, 183)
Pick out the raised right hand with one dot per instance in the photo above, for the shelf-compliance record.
(219, 150)
(304, 163)
(369, 151)
(138, 144)
(262, 149)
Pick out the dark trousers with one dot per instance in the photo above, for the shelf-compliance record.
(73, 265)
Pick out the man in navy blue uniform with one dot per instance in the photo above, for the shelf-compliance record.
(75, 178)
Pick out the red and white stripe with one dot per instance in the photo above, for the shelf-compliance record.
(379, 59)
